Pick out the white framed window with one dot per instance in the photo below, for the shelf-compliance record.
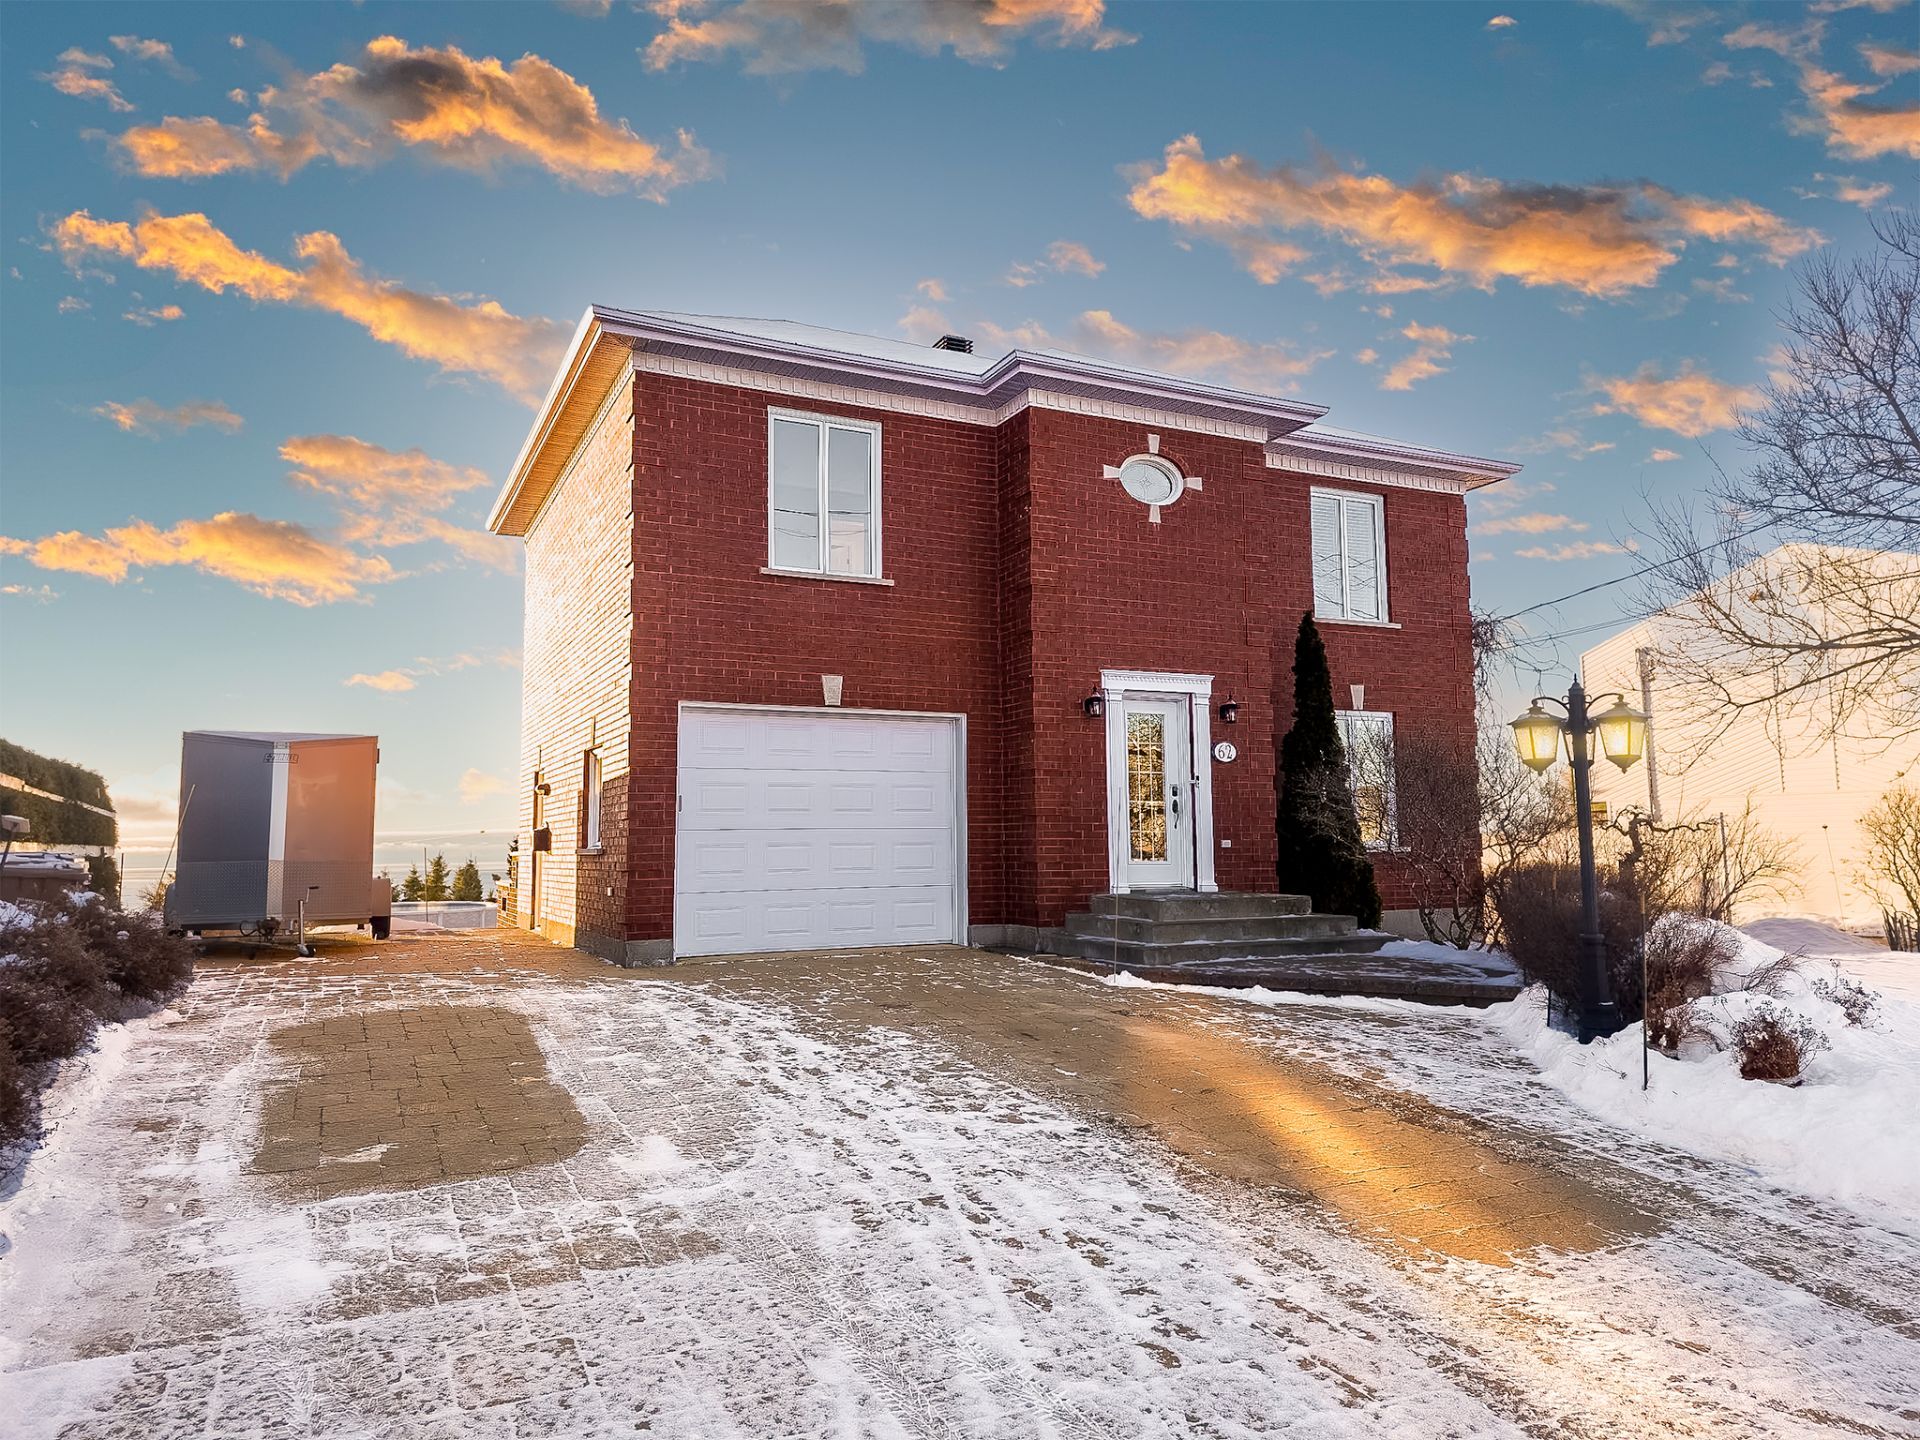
(823, 495)
(1349, 556)
(590, 801)
(1368, 738)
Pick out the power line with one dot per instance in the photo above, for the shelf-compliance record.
(1636, 574)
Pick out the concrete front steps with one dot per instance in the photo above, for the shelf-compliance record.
(1157, 929)
(1273, 941)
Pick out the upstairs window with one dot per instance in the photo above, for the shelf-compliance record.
(823, 495)
(1368, 738)
(1349, 556)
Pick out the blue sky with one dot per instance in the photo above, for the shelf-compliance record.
(242, 468)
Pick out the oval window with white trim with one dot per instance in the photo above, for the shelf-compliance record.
(1151, 480)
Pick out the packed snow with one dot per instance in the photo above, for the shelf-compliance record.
(789, 1223)
(1849, 1131)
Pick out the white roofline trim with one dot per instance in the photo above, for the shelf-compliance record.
(1384, 462)
(794, 365)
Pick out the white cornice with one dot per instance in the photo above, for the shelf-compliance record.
(892, 377)
(1384, 462)
(1327, 469)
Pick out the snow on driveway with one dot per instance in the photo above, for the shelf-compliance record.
(834, 1199)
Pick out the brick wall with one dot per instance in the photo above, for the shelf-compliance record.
(1019, 574)
(576, 669)
(709, 626)
(1195, 593)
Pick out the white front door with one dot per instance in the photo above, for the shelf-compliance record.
(1159, 799)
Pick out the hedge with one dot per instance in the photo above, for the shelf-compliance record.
(56, 822)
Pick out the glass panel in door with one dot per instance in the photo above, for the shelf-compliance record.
(1147, 785)
(1157, 797)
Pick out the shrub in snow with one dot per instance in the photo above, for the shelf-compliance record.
(1684, 963)
(142, 961)
(62, 971)
(51, 990)
(1540, 917)
(1855, 1000)
(1773, 1043)
(16, 1103)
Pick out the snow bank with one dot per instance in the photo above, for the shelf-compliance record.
(1850, 1132)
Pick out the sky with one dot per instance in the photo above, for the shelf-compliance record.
(282, 284)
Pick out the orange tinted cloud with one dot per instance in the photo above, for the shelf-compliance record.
(477, 785)
(1534, 523)
(1887, 61)
(156, 52)
(393, 497)
(144, 417)
(407, 677)
(474, 338)
(1854, 126)
(1431, 345)
(1063, 257)
(1596, 239)
(1689, 402)
(778, 36)
(147, 316)
(1578, 550)
(74, 74)
(475, 113)
(389, 681)
(275, 558)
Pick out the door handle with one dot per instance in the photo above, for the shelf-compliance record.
(1174, 791)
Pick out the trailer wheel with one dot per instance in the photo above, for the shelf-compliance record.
(381, 925)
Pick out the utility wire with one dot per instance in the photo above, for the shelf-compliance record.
(1643, 570)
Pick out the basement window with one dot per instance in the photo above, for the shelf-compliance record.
(1349, 556)
(823, 495)
(1367, 736)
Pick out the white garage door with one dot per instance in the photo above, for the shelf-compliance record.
(809, 830)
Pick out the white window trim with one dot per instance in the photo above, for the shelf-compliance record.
(592, 775)
(825, 422)
(1379, 504)
(1391, 841)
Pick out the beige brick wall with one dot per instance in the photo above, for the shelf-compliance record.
(577, 668)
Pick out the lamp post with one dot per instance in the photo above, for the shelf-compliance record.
(1623, 738)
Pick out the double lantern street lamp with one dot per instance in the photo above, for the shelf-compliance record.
(1623, 739)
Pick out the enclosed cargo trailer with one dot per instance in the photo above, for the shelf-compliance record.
(272, 819)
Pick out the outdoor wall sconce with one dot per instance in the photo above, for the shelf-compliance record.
(543, 788)
(1230, 712)
(1094, 706)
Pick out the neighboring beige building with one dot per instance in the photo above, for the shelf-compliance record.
(1804, 785)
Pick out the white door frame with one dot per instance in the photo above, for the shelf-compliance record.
(1197, 692)
(962, 914)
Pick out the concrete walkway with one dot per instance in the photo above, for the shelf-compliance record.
(472, 1185)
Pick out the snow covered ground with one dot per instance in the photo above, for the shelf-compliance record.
(798, 1216)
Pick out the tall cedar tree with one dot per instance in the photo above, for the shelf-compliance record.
(1321, 853)
(435, 887)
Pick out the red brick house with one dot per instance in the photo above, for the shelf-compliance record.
(833, 640)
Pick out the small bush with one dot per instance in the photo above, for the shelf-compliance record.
(1855, 1000)
(141, 960)
(1774, 1044)
(1540, 919)
(44, 1021)
(16, 1098)
(1684, 963)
